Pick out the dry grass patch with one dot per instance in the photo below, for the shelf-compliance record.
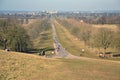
(31, 22)
(112, 27)
(93, 70)
(19, 66)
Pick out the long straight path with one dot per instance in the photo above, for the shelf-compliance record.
(62, 53)
(59, 49)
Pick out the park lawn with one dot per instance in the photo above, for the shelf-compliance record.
(21, 66)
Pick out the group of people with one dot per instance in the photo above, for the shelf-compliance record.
(58, 48)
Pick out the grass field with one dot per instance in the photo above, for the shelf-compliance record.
(70, 42)
(74, 45)
(22, 66)
(19, 66)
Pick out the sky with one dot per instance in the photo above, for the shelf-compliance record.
(59, 5)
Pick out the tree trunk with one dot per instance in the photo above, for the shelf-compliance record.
(104, 53)
(5, 46)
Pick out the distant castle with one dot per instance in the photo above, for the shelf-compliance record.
(50, 12)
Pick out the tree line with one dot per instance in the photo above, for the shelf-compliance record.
(94, 37)
(98, 18)
(40, 33)
(13, 36)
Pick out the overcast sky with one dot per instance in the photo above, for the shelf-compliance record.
(60, 5)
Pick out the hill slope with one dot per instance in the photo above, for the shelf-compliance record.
(19, 66)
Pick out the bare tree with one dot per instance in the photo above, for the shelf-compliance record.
(103, 38)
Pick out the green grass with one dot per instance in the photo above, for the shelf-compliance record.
(19, 66)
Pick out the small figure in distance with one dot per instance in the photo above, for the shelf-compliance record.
(6, 50)
(83, 51)
(101, 55)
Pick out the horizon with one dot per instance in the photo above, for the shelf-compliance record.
(60, 5)
(60, 10)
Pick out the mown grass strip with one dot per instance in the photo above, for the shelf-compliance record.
(70, 42)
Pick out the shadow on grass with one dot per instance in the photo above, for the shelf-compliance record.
(37, 51)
